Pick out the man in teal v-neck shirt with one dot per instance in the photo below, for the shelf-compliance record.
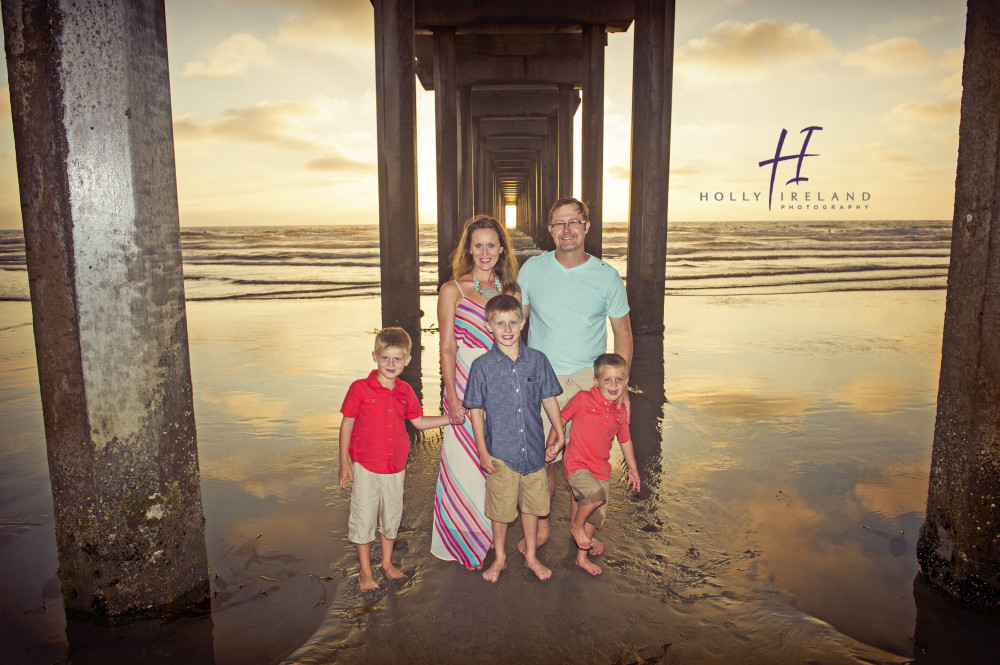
(568, 296)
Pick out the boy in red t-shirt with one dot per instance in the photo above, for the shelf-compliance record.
(597, 420)
(373, 450)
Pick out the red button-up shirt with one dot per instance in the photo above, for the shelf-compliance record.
(596, 423)
(379, 441)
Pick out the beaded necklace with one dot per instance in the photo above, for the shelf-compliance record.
(484, 292)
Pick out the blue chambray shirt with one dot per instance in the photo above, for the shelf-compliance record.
(511, 393)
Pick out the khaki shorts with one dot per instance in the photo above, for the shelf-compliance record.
(589, 490)
(582, 379)
(375, 498)
(506, 488)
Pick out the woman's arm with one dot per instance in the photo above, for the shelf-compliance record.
(448, 298)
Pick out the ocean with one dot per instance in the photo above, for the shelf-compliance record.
(783, 428)
(282, 262)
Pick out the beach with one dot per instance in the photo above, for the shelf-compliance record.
(782, 426)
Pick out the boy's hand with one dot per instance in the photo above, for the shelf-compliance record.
(487, 463)
(345, 473)
(553, 450)
(633, 479)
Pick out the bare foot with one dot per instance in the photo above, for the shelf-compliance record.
(540, 538)
(469, 566)
(589, 567)
(596, 547)
(580, 536)
(367, 582)
(541, 572)
(492, 574)
(391, 572)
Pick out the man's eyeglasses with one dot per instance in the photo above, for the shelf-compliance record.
(573, 225)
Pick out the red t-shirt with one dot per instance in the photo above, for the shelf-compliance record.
(379, 441)
(596, 423)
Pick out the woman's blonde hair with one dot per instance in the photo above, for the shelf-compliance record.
(506, 267)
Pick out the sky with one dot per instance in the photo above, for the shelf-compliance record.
(274, 112)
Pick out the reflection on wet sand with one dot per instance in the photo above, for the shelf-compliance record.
(648, 399)
(747, 544)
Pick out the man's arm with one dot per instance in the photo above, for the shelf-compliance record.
(621, 328)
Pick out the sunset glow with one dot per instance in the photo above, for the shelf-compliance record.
(274, 112)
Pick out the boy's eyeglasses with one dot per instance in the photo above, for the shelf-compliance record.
(573, 225)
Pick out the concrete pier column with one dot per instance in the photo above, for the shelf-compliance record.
(482, 176)
(551, 171)
(959, 544)
(446, 117)
(395, 97)
(567, 108)
(90, 101)
(466, 204)
(592, 148)
(650, 168)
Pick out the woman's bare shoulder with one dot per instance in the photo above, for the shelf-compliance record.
(451, 291)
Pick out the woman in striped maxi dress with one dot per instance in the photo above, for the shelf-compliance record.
(483, 266)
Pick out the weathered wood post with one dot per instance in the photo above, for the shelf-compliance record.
(90, 100)
(648, 188)
(959, 545)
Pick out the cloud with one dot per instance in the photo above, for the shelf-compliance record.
(344, 28)
(281, 124)
(895, 491)
(232, 57)
(740, 404)
(338, 164)
(922, 175)
(874, 394)
(952, 84)
(899, 55)
(620, 172)
(880, 152)
(928, 111)
(755, 46)
(947, 138)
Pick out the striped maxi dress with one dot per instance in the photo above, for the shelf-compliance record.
(461, 531)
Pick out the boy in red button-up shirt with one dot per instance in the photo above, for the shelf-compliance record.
(373, 450)
(597, 420)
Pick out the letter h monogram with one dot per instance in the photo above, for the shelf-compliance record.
(778, 157)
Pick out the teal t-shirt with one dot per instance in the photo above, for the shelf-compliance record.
(570, 308)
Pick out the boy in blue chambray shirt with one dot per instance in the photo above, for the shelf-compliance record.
(507, 389)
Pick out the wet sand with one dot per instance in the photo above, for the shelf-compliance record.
(784, 470)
